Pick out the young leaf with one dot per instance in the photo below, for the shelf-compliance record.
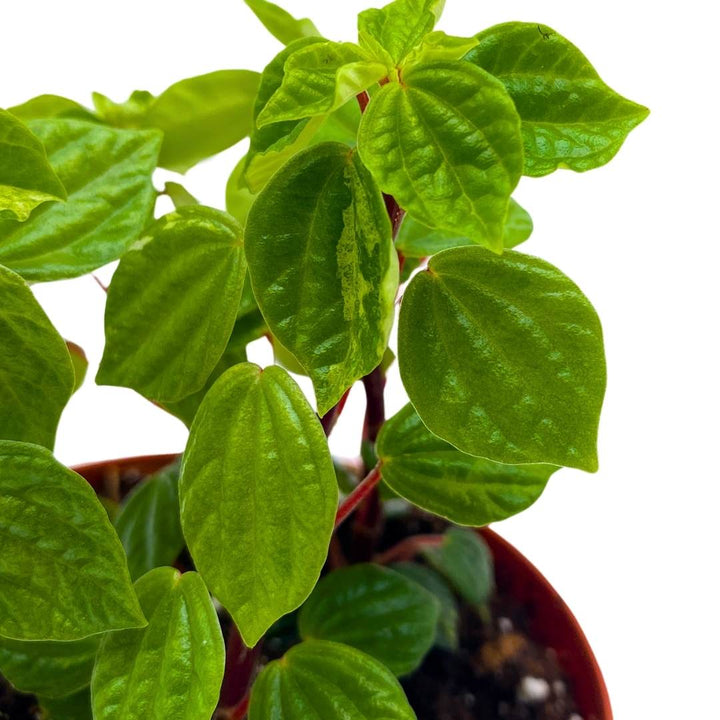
(465, 560)
(446, 145)
(172, 304)
(280, 23)
(437, 477)
(323, 267)
(375, 610)
(318, 79)
(328, 681)
(449, 617)
(43, 107)
(62, 568)
(439, 46)
(26, 178)
(173, 668)
(36, 372)
(149, 523)
(570, 117)
(72, 707)
(49, 669)
(503, 357)
(397, 28)
(108, 177)
(258, 495)
(79, 361)
(247, 328)
(203, 115)
(416, 240)
(238, 196)
(179, 195)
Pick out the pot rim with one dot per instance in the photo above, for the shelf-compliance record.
(515, 574)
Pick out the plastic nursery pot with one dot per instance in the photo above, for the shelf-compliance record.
(552, 624)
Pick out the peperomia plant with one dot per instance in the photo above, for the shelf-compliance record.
(377, 171)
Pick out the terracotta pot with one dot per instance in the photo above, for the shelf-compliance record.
(552, 624)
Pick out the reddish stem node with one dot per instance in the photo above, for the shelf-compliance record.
(363, 99)
(363, 490)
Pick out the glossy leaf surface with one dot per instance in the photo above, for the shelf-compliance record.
(323, 266)
(172, 304)
(437, 477)
(319, 78)
(446, 145)
(173, 668)
(258, 495)
(79, 361)
(149, 523)
(397, 28)
(26, 177)
(416, 240)
(375, 610)
(327, 681)
(108, 177)
(465, 560)
(62, 568)
(440, 46)
(570, 117)
(449, 616)
(43, 107)
(36, 373)
(280, 23)
(502, 356)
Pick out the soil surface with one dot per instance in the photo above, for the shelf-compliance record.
(15, 705)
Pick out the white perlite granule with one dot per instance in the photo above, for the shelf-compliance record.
(532, 690)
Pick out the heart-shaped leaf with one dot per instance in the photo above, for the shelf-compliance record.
(445, 143)
(502, 356)
(570, 117)
(49, 669)
(465, 560)
(173, 668)
(36, 372)
(62, 568)
(323, 267)
(108, 177)
(172, 304)
(327, 681)
(258, 495)
(26, 178)
(437, 477)
(281, 23)
(375, 610)
(149, 523)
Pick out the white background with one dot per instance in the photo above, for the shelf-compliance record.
(633, 549)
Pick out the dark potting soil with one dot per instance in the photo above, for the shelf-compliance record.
(15, 705)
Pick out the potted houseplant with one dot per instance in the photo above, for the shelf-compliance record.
(257, 575)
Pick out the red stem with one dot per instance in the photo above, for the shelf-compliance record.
(331, 417)
(408, 548)
(241, 710)
(363, 490)
(240, 664)
(363, 99)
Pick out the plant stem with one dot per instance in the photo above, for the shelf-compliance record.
(240, 664)
(329, 419)
(359, 494)
(240, 711)
(375, 411)
(408, 548)
(363, 99)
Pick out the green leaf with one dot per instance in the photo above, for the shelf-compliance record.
(79, 362)
(323, 267)
(280, 23)
(439, 46)
(36, 373)
(449, 618)
(247, 328)
(503, 357)
(72, 707)
(397, 28)
(179, 195)
(375, 610)
(327, 681)
(570, 117)
(128, 114)
(446, 145)
(416, 240)
(172, 304)
(62, 568)
(257, 475)
(149, 523)
(437, 477)
(318, 79)
(465, 560)
(238, 196)
(43, 107)
(203, 115)
(174, 667)
(108, 177)
(26, 178)
(49, 669)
